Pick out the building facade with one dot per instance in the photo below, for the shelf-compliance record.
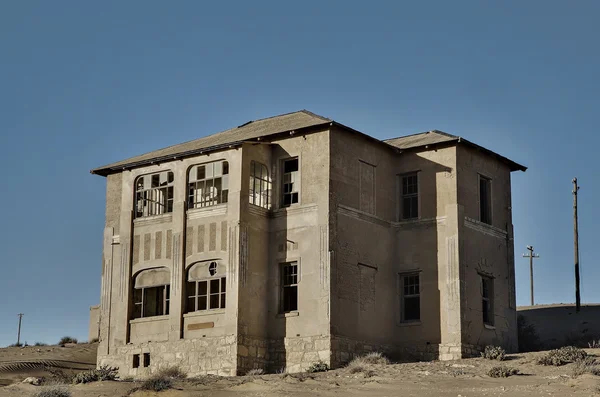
(295, 239)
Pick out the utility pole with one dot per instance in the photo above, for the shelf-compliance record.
(531, 255)
(19, 334)
(576, 238)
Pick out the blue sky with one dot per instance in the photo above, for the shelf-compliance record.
(86, 83)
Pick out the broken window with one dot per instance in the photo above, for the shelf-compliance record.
(485, 200)
(136, 361)
(291, 182)
(410, 196)
(151, 301)
(154, 194)
(260, 185)
(208, 184)
(208, 294)
(487, 299)
(410, 305)
(289, 287)
(146, 359)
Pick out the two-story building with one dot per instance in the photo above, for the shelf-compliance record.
(294, 239)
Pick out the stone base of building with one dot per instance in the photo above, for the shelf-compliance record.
(450, 351)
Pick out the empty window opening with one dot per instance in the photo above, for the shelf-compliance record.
(136, 361)
(410, 309)
(291, 182)
(410, 196)
(151, 301)
(206, 294)
(487, 299)
(146, 359)
(154, 194)
(289, 286)
(208, 184)
(485, 200)
(260, 185)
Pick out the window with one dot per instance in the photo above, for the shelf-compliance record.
(136, 361)
(208, 184)
(289, 287)
(207, 294)
(487, 299)
(410, 300)
(485, 200)
(260, 185)
(291, 182)
(151, 301)
(154, 194)
(410, 196)
(146, 359)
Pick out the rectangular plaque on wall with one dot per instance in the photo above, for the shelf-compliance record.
(194, 326)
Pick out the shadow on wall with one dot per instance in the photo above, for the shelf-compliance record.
(552, 326)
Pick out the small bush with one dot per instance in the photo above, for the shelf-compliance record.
(172, 372)
(586, 366)
(562, 356)
(66, 339)
(157, 383)
(40, 344)
(319, 366)
(374, 358)
(94, 375)
(494, 353)
(594, 344)
(53, 391)
(502, 372)
(57, 377)
(16, 345)
(255, 372)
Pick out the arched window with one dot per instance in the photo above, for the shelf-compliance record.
(151, 293)
(206, 287)
(154, 194)
(208, 184)
(260, 185)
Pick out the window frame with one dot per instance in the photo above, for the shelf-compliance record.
(264, 194)
(489, 215)
(283, 286)
(401, 196)
(165, 304)
(193, 185)
(487, 300)
(296, 183)
(402, 296)
(143, 194)
(222, 294)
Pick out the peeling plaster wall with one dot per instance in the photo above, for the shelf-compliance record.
(487, 249)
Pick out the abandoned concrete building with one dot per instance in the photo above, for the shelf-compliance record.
(294, 239)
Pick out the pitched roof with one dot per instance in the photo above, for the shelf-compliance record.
(280, 124)
(250, 130)
(436, 137)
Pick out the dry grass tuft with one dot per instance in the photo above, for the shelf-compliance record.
(53, 391)
(255, 372)
(562, 356)
(367, 364)
(502, 372)
(173, 372)
(588, 365)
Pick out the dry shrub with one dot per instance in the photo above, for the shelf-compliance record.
(366, 364)
(173, 372)
(319, 366)
(255, 372)
(588, 365)
(594, 344)
(528, 337)
(494, 353)
(66, 339)
(502, 371)
(53, 391)
(562, 356)
(94, 375)
(157, 383)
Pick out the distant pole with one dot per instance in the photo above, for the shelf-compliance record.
(19, 333)
(531, 255)
(576, 238)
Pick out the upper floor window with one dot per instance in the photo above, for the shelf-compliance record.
(151, 293)
(208, 293)
(208, 184)
(291, 182)
(485, 200)
(260, 185)
(410, 196)
(154, 194)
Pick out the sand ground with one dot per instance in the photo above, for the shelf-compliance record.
(464, 378)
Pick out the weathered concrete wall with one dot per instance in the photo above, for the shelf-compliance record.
(94, 326)
(560, 325)
(486, 250)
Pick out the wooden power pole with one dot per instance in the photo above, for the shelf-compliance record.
(531, 255)
(576, 242)
(19, 333)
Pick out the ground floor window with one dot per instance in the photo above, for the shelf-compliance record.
(289, 287)
(410, 297)
(487, 299)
